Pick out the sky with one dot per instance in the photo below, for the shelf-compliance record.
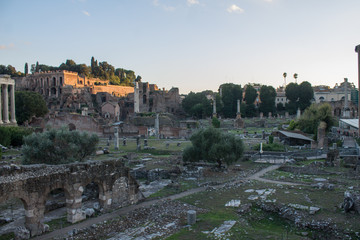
(194, 45)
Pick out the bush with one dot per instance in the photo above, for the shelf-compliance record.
(58, 146)
(211, 145)
(215, 122)
(272, 147)
(13, 136)
(271, 139)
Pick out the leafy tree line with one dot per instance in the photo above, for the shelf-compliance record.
(199, 105)
(10, 70)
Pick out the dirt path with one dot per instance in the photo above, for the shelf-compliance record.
(146, 204)
(257, 176)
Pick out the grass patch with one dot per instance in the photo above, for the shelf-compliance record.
(170, 190)
(7, 236)
(58, 223)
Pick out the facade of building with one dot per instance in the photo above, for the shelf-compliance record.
(152, 99)
(51, 84)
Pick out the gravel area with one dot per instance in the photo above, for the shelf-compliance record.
(161, 219)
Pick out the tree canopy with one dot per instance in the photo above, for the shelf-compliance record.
(58, 147)
(214, 146)
(299, 96)
(250, 94)
(10, 70)
(315, 114)
(267, 97)
(230, 94)
(197, 105)
(28, 104)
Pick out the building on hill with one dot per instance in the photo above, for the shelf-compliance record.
(51, 84)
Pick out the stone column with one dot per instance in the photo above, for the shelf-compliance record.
(74, 204)
(12, 103)
(157, 126)
(6, 103)
(0, 105)
(357, 49)
(136, 98)
(238, 113)
(34, 214)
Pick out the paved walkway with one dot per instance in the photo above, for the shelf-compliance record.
(349, 142)
(146, 204)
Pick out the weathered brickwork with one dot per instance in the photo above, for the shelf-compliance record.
(32, 184)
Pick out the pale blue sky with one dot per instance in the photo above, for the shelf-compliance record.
(191, 44)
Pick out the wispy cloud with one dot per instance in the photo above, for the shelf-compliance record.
(86, 13)
(165, 7)
(168, 8)
(4, 47)
(269, 1)
(192, 2)
(235, 9)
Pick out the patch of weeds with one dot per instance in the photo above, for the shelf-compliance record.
(170, 189)
(58, 223)
(7, 236)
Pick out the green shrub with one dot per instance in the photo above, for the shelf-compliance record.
(58, 146)
(271, 139)
(273, 147)
(5, 136)
(13, 136)
(212, 145)
(215, 122)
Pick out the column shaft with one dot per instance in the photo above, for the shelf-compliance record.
(6, 103)
(12, 103)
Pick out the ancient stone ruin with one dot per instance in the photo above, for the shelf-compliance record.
(32, 184)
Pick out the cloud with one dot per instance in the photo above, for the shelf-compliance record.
(192, 2)
(269, 1)
(168, 8)
(4, 47)
(235, 9)
(86, 13)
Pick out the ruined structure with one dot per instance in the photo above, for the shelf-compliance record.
(51, 84)
(152, 99)
(7, 83)
(32, 184)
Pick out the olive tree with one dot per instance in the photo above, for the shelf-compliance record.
(214, 146)
(58, 146)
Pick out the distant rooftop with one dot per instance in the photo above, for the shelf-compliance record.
(352, 122)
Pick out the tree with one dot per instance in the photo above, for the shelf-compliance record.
(295, 76)
(230, 94)
(33, 68)
(250, 94)
(315, 114)
(26, 69)
(197, 105)
(37, 67)
(306, 94)
(58, 147)
(29, 104)
(212, 145)
(267, 97)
